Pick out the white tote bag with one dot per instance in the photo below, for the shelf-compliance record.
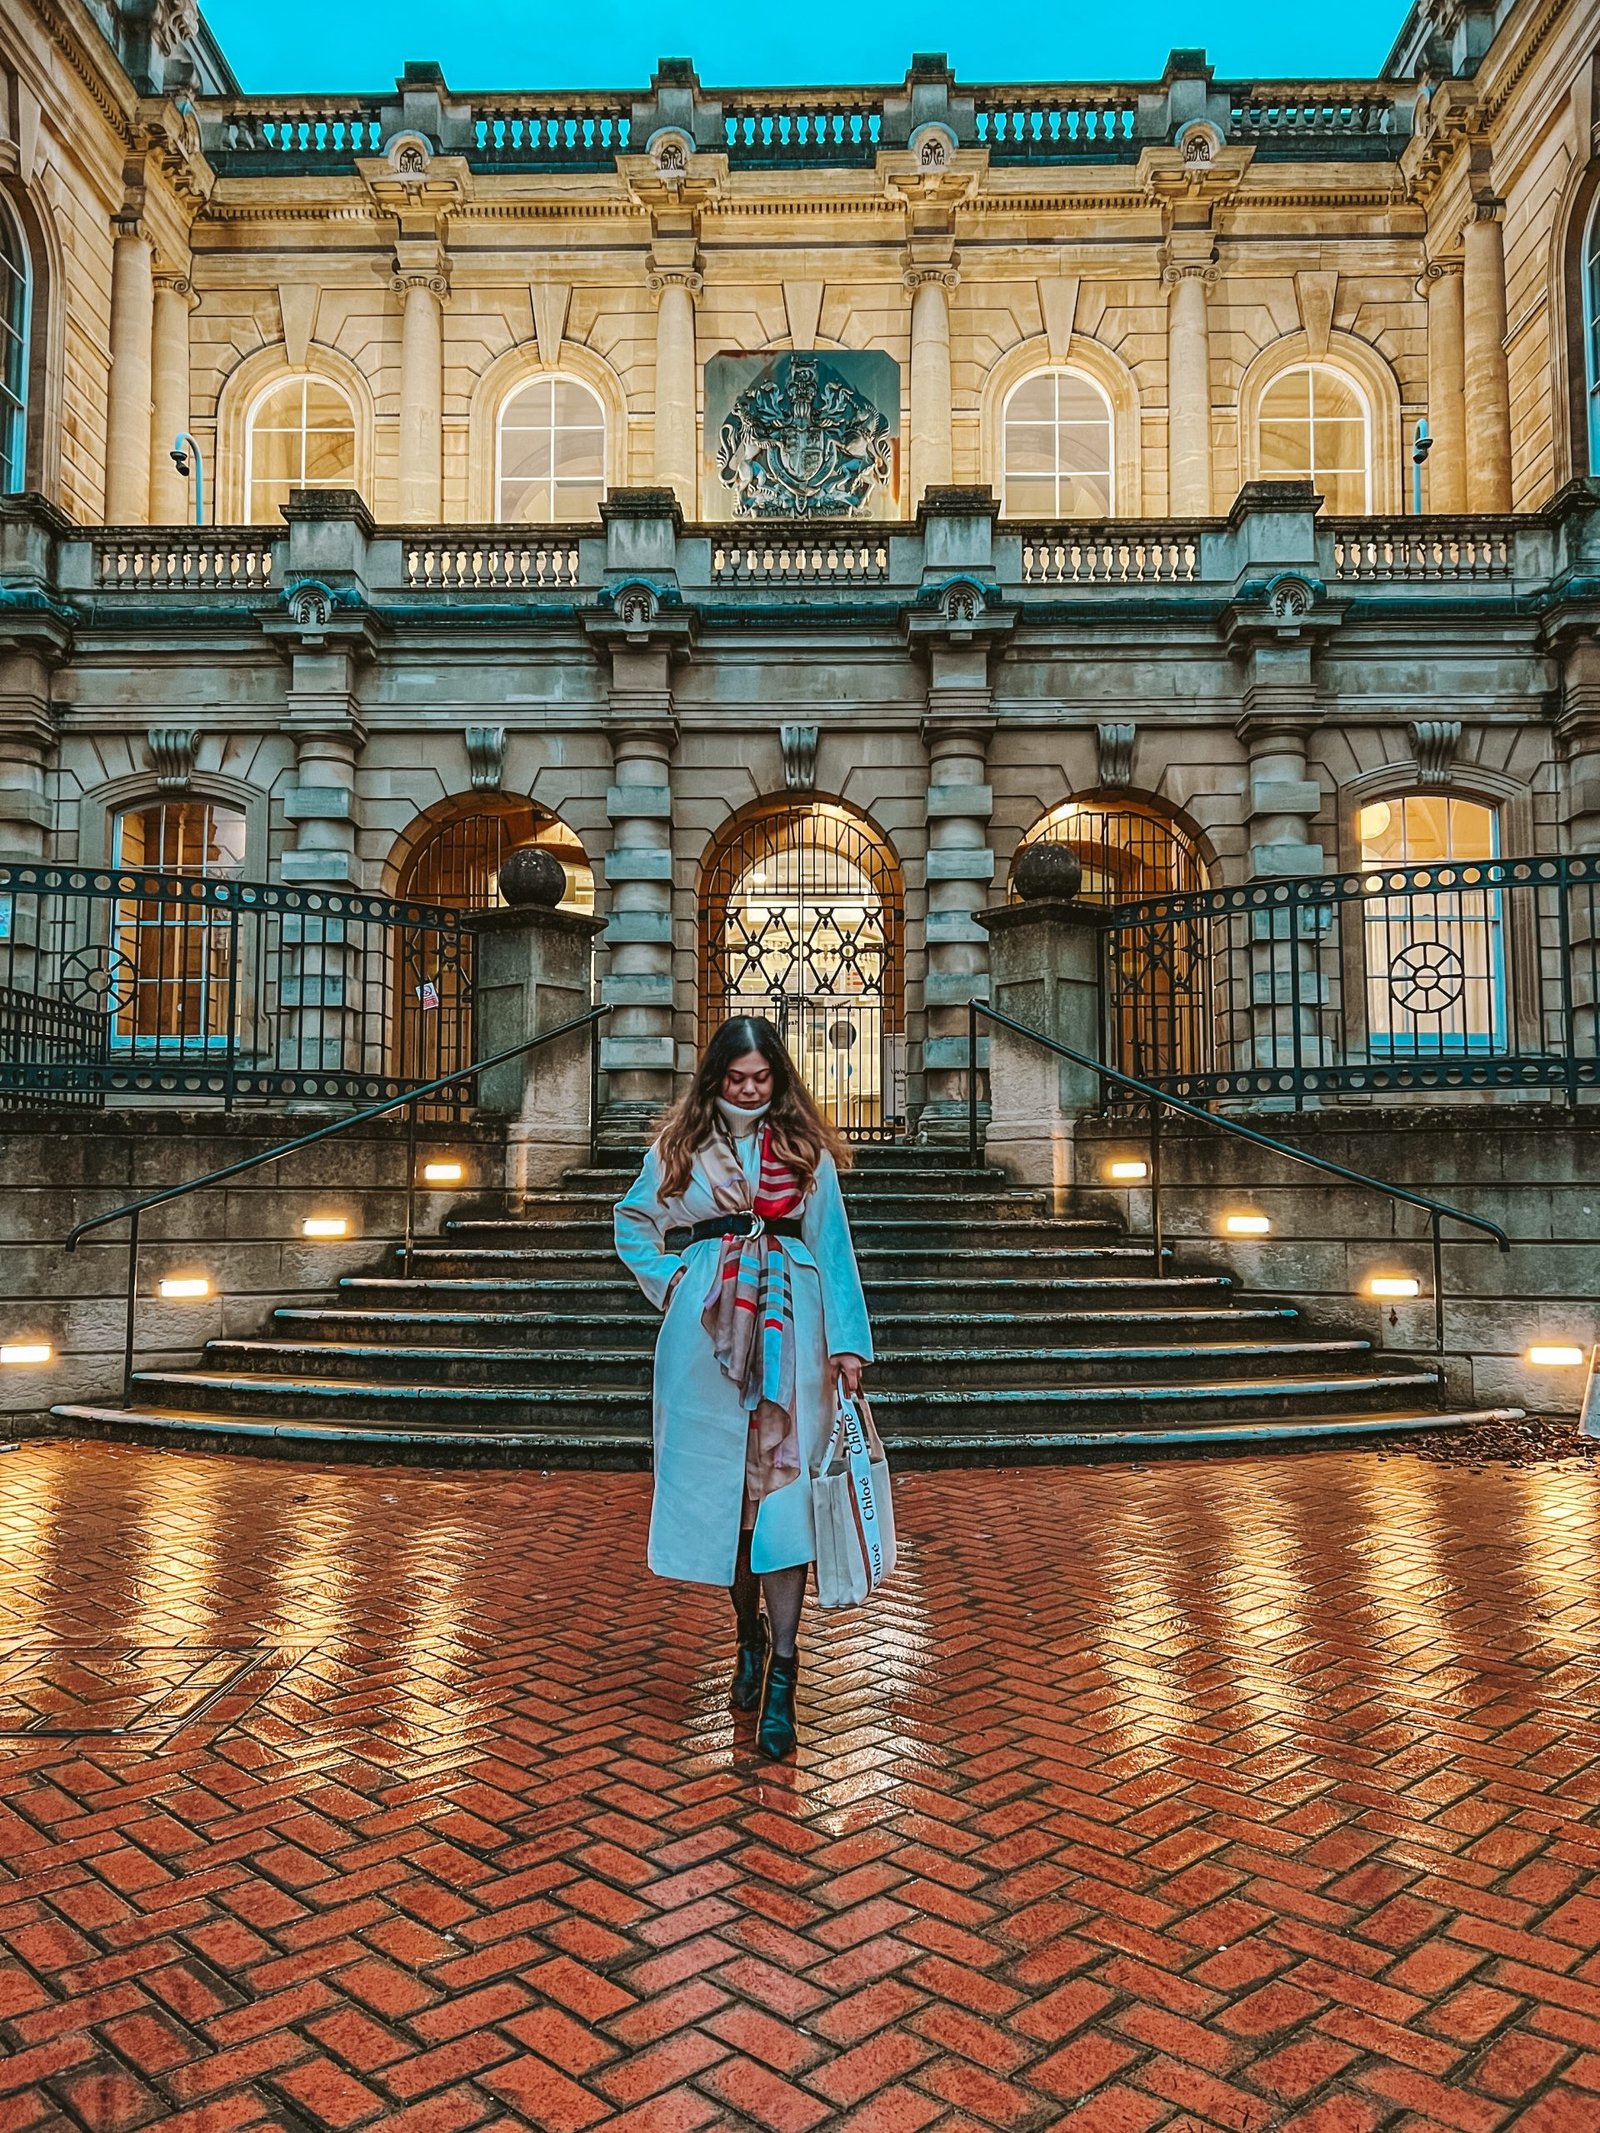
(853, 1509)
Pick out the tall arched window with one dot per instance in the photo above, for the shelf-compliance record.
(1434, 959)
(550, 454)
(300, 434)
(16, 302)
(1314, 426)
(173, 977)
(1056, 448)
(1591, 331)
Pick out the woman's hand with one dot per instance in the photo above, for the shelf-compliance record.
(847, 1371)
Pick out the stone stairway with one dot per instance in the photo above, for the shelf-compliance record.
(1003, 1333)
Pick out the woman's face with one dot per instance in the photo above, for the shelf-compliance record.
(748, 1082)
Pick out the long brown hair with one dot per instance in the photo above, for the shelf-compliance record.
(801, 1136)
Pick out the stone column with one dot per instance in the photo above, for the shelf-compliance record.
(128, 403)
(171, 497)
(533, 971)
(960, 870)
(1188, 389)
(1444, 477)
(1487, 394)
(1044, 971)
(930, 453)
(637, 1049)
(421, 484)
(677, 382)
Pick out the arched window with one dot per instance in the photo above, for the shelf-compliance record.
(1434, 959)
(300, 434)
(802, 920)
(172, 982)
(1056, 448)
(1314, 426)
(16, 301)
(1591, 331)
(1127, 850)
(550, 454)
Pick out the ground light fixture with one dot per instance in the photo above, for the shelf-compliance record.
(443, 1173)
(1247, 1225)
(183, 1288)
(1557, 1355)
(325, 1226)
(1128, 1170)
(1394, 1285)
(26, 1354)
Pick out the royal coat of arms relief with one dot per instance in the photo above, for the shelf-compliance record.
(801, 440)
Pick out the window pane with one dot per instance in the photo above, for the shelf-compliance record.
(1077, 400)
(1333, 397)
(1288, 395)
(529, 407)
(580, 452)
(325, 406)
(578, 500)
(301, 432)
(1344, 495)
(1085, 496)
(1034, 400)
(330, 460)
(1285, 448)
(1031, 498)
(1030, 448)
(1085, 448)
(1342, 445)
(575, 407)
(524, 503)
(525, 455)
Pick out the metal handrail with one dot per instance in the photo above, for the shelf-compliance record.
(1437, 1210)
(133, 1211)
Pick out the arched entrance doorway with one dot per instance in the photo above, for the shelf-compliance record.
(802, 919)
(451, 856)
(1157, 986)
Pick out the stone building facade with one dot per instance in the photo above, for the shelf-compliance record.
(783, 506)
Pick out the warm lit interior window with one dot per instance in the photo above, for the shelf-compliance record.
(1434, 957)
(15, 294)
(551, 454)
(1314, 428)
(1425, 829)
(300, 435)
(1055, 448)
(173, 968)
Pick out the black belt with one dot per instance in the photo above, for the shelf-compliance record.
(679, 1240)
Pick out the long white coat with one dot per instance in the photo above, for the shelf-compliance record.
(700, 1425)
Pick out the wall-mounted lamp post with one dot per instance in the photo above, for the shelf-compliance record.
(1421, 446)
(184, 449)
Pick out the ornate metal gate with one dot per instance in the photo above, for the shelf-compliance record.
(802, 919)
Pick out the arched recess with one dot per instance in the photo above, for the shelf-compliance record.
(241, 390)
(450, 855)
(496, 385)
(42, 374)
(1132, 847)
(1103, 368)
(1374, 381)
(802, 919)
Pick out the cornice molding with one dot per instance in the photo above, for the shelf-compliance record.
(118, 109)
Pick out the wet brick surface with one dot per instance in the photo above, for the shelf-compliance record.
(1239, 1796)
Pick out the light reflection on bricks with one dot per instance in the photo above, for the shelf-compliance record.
(1249, 1795)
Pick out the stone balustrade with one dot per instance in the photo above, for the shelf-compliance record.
(1274, 548)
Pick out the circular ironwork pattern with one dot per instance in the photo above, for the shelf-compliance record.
(1427, 977)
(101, 978)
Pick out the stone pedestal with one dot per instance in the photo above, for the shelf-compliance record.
(1043, 971)
(534, 972)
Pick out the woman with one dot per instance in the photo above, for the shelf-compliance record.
(737, 1226)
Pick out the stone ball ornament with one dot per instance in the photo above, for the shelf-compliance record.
(1047, 873)
(531, 880)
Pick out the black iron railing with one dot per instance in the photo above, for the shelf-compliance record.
(411, 1100)
(130, 982)
(1152, 1102)
(1392, 981)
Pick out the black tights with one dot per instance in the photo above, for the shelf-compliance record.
(785, 1594)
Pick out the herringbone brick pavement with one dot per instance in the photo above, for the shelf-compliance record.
(1212, 1798)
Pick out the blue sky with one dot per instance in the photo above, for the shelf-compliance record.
(523, 44)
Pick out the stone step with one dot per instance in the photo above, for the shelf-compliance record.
(895, 1182)
(597, 1409)
(417, 1366)
(952, 1261)
(629, 1448)
(1015, 1231)
(928, 1294)
(1001, 1329)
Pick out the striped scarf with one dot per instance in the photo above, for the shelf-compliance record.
(750, 1314)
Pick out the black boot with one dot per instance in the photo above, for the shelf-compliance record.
(775, 1735)
(748, 1666)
